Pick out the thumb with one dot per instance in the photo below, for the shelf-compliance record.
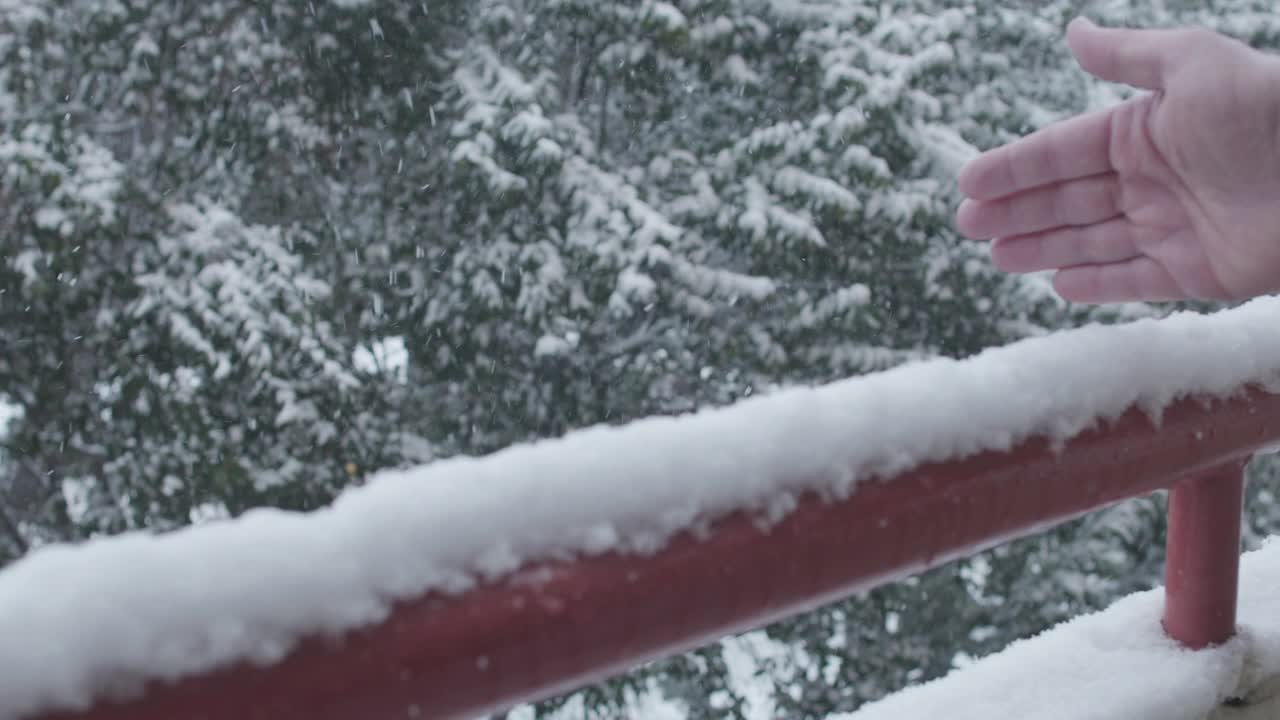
(1141, 58)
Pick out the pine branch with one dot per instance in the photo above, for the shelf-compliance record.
(10, 528)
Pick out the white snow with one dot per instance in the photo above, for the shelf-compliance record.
(1117, 664)
(757, 665)
(667, 15)
(386, 356)
(551, 346)
(948, 148)
(77, 620)
(8, 412)
(23, 13)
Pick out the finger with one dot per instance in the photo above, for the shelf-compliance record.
(1109, 241)
(1139, 279)
(1075, 202)
(1141, 58)
(1067, 150)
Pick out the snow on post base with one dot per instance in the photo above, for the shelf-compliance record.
(78, 622)
(1117, 665)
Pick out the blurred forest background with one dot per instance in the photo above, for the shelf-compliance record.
(251, 252)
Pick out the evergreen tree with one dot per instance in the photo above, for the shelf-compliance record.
(171, 349)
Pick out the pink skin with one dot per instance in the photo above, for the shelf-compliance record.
(1168, 196)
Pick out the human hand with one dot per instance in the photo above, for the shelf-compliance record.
(1171, 195)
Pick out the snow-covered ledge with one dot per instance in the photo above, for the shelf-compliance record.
(78, 623)
(1118, 664)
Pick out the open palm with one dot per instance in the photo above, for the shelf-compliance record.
(1171, 195)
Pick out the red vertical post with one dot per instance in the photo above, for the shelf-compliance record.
(1202, 561)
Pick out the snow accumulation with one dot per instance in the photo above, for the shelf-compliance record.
(1113, 665)
(77, 621)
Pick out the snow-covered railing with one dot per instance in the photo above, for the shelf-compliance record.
(472, 584)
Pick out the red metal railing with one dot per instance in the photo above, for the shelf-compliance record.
(555, 627)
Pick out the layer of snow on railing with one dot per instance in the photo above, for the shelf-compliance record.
(76, 621)
(1117, 664)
